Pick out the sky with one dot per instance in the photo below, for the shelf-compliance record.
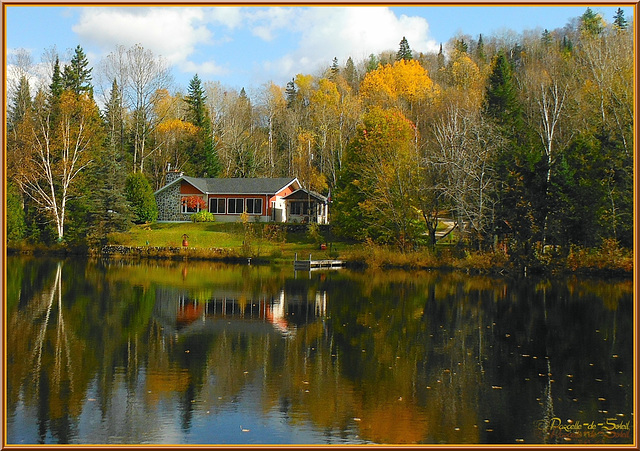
(250, 46)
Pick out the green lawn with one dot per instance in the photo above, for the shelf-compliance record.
(228, 236)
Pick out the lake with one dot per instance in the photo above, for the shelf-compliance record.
(159, 352)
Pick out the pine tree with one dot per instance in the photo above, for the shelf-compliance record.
(404, 53)
(619, 21)
(77, 75)
(546, 38)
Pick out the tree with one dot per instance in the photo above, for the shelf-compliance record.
(203, 156)
(146, 75)
(60, 150)
(351, 74)
(480, 54)
(404, 52)
(77, 75)
(591, 23)
(20, 103)
(619, 20)
(374, 196)
(140, 195)
(15, 221)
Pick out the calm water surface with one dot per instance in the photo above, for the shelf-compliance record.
(105, 352)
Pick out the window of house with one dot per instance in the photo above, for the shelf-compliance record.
(236, 206)
(217, 206)
(254, 206)
(299, 208)
(192, 204)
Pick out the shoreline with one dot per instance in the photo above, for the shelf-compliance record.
(507, 268)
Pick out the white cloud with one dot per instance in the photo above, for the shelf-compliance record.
(172, 33)
(328, 32)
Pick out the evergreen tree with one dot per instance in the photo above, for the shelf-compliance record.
(15, 220)
(591, 23)
(350, 73)
(57, 85)
(291, 92)
(195, 99)
(440, 58)
(372, 63)
(501, 99)
(461, 46)
(515, 159)
(546, 38)
(203, 155)
(334, 68)
(480, 55)
(20, 103)
(619, 21)
(404, 52)
(140, 194)
(77, 75)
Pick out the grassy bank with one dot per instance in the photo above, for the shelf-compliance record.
(232, 240)
(263, 242)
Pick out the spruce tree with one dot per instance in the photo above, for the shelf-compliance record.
(56, 88)
(404, 53)
(77, 75)
(203, 155)
(195, 99)
(480, 55)
(619, 21)
(546, 38)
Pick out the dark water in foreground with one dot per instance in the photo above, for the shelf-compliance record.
(203, 353)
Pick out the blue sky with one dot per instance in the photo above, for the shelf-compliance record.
(248, 46)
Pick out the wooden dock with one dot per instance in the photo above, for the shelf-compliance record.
(308, 265)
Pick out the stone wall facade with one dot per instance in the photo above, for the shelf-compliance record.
(169, 205)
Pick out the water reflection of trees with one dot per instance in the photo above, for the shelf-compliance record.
(394, 358)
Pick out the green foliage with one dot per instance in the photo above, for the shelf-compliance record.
(77, 75)
(591, 23)
(203, 216)
(619, 20)
(404, 52)
(16, 225)
(140, 195)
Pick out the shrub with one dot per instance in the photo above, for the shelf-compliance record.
(203, 216)
(140, 194)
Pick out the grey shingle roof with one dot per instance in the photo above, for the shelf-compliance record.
(239, 185)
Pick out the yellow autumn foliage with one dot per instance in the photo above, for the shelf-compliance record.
(404, 80)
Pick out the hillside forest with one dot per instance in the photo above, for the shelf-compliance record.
(521, 140)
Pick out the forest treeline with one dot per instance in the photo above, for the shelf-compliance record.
(521, 140)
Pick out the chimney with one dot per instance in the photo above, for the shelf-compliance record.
(172, 176)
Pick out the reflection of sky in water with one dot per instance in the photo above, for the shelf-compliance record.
(335, 358)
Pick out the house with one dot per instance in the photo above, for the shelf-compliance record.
(265, 199)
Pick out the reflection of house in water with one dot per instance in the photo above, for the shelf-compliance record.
(179, 312)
